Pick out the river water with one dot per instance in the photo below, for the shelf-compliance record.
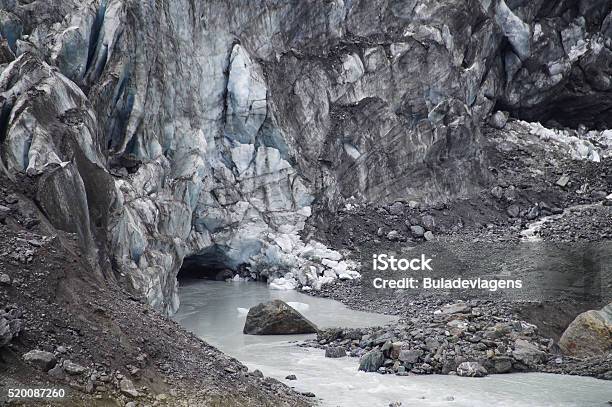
(216, 311)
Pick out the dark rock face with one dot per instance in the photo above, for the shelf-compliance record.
(150, 161)
(276, 318)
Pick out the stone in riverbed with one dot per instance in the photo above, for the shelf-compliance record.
(335, 352)
(372, 361)
(471, 369)
(276, 318)
(589, 334)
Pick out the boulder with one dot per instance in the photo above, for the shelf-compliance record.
(502, 364)
(513, 211)
(428, 222)
(527, 353)
(457, 308)
(10, 325)
(589, 334)
(41, 359)
(4, 211)
(276, 318)
(127, 388)
(371, 361)
(397, 208)
(471, 369)
(410, 356)
(335, 352)
(5, 279)
(417, 231)
(498, 120)
(73, 368)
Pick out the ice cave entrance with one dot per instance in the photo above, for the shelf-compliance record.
(210, 264)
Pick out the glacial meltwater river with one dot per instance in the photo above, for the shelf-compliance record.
(216, 311)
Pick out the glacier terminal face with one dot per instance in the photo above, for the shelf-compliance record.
(161, 130)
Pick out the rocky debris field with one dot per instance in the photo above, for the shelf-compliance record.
(63, 327)
(472, 338)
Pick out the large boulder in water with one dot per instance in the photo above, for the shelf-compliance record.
(590, 334)
(276, 318)
(372, 361)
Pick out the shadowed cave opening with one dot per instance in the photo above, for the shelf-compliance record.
(592, 111)
(211, 264)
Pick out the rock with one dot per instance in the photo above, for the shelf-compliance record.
(396, 348)
(4, 211)
(73, 368)
(429, 236)
(598, 195)
(410, 355)
(41, 359)
(57, 372)
(590, 334)
(5, 279)
(257, 373)
(393, 235)
(397, 209)
(457, 327)
(513, 211)
(457, 308)
(471, 369)
(11, 325)
(527, 353)
(11, 199)
(308, 394)
(291, 377)
(276, 318)
(533, 213)
(563, 181)
(502, 364)
(417, 231)
(498, 120)
(497, 192)
(335, 352)
(127, 388)
(371, 361)
(428, 222)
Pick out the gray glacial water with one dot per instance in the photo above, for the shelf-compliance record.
(216, 311)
